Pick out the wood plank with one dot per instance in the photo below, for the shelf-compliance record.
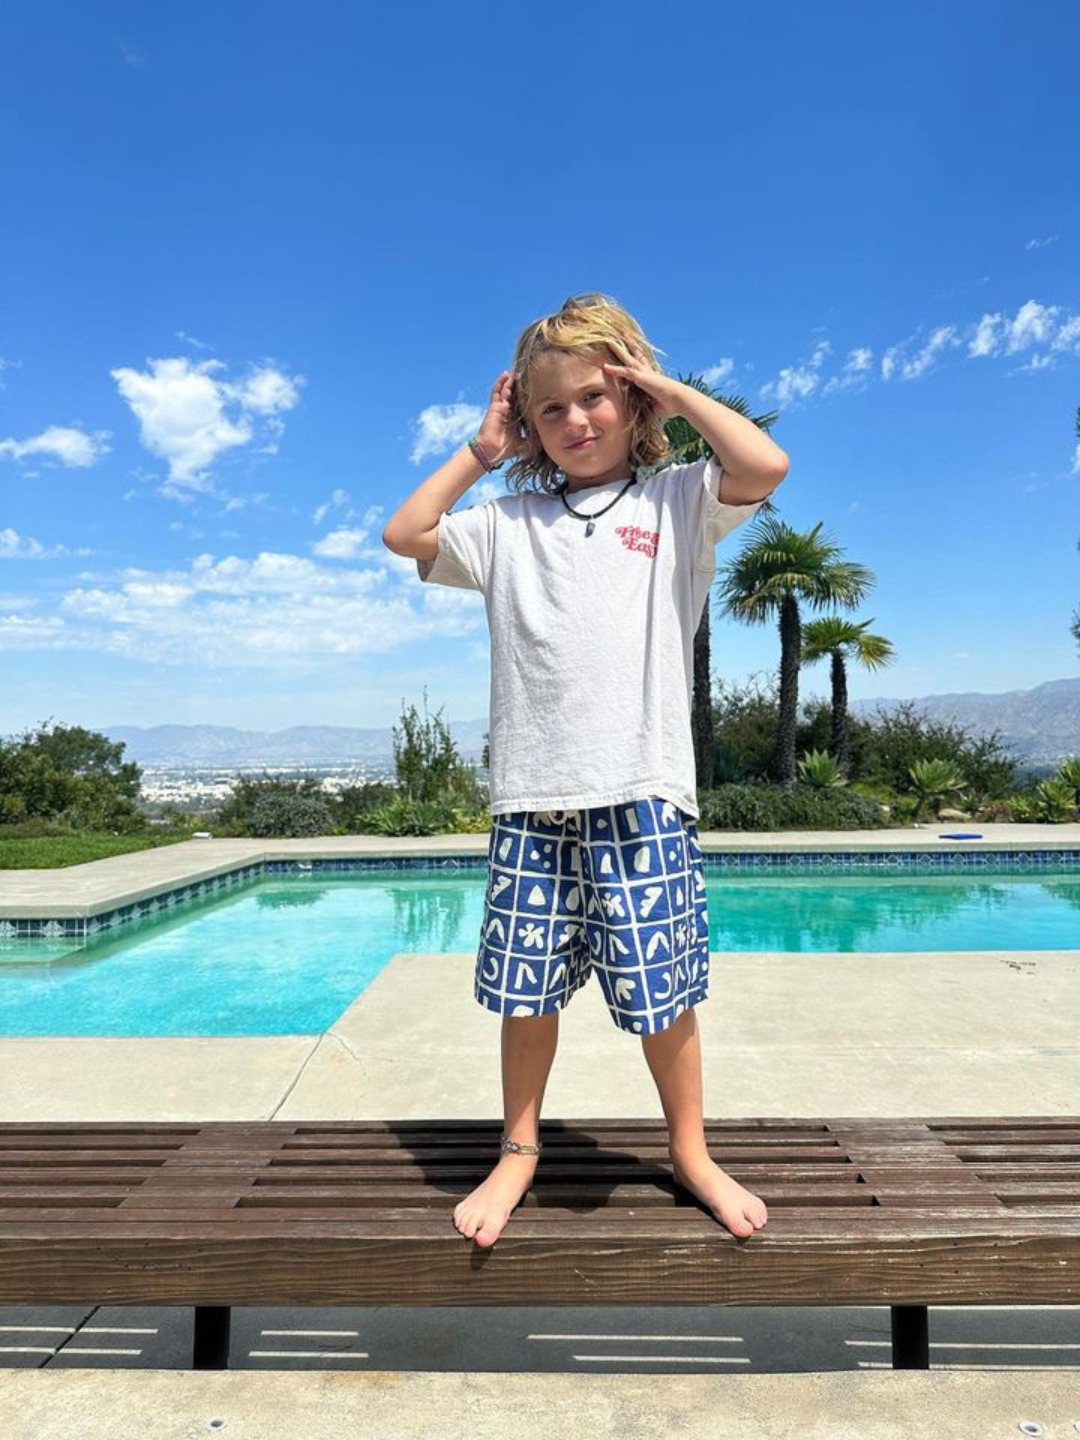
(542, 1265)
(867, 1210)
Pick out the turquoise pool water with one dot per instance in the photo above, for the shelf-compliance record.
(287, 955)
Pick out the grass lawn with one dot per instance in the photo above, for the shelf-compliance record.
(50, 852)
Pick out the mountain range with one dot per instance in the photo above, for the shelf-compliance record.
(1039, 726)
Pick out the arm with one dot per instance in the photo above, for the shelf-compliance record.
(411, 530)
(753, 464)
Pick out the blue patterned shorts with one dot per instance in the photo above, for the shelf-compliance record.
(618, 889)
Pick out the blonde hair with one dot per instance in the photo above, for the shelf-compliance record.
(584, 326)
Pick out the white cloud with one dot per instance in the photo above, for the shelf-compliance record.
(191, 340)
(14, 546)
(277, 611)
(1041, 244)
(719, 373)
(856, 371)
(797, 382)
(184, 419)
(895, 363)
(992, 334)
(1033, 324)
(343, 544)
(445, 427)
(71, 447)
(337, 499)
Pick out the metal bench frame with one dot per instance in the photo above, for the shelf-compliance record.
(862, 1211)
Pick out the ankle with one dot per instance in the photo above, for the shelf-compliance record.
(688, 1148)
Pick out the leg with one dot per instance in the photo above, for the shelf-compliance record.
(528, 1049)
(674, 1057)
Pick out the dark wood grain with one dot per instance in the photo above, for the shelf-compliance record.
(862, 1210)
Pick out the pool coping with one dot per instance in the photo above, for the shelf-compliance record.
(80, 900)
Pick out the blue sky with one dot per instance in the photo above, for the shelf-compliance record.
(262, 264)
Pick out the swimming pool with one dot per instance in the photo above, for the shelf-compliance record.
(284, 955)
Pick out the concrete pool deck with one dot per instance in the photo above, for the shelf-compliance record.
(782, 1034)
(120, 879)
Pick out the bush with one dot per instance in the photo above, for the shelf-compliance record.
(883, 750)
(426, 817)
(290, 815)
(771, 807)
(355, 804)
(745, 722)
(273, 805)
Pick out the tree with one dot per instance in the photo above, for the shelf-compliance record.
(838, 638)
(776, 569)
(425, 757)
(687, 445)
(69, 774)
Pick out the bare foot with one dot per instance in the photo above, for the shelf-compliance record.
(483, 1213)
(733, 1205)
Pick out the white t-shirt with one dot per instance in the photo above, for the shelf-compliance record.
(591, 636)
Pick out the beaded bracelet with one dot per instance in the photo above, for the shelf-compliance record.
(478, 451)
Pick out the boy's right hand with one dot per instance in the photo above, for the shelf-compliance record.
(499, 432)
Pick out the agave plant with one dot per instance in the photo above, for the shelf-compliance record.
(821, 770)
(935, 780)
(1069, 771)
(1057, 800)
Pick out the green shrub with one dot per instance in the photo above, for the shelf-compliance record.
(885, 747)
(426, 817)
(820, 771)
(276, 805)
(771, 807)
(1056, 800)
(355, 804)
(1023, 809)
(934, 781)
(290, 815)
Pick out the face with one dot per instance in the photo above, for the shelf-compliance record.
(575, 400)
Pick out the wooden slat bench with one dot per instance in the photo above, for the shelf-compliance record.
(900, 1212)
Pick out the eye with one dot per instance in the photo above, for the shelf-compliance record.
(548, 408)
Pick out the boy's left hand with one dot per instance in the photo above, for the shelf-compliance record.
(665, 392)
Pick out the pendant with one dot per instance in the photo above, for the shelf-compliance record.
(590, 527)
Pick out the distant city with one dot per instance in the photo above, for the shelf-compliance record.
(193, 767)
(187, 788)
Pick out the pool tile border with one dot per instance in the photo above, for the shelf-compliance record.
(1003, 861)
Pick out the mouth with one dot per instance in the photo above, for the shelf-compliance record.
(581, 444)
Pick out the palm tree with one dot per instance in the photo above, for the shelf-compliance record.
(688, 444)
(776, 569)
(839, 638)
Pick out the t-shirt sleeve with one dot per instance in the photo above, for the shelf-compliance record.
(708, 519)
(464, 554)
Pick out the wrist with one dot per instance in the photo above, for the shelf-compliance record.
(675, 398)
(492, 450)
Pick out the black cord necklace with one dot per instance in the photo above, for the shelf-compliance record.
(591, 526)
